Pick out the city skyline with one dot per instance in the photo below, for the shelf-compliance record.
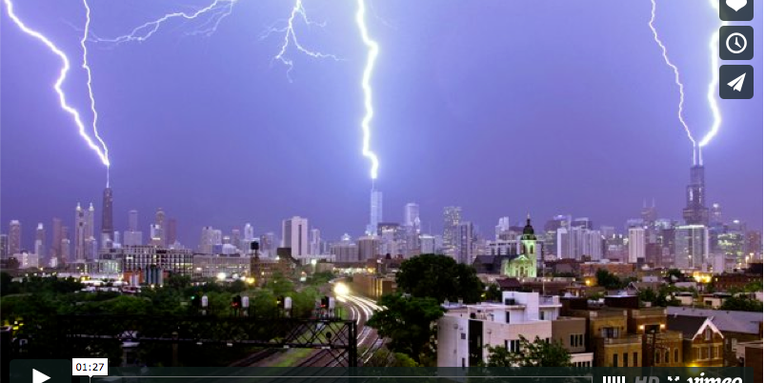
(456, 130)
(157, 232)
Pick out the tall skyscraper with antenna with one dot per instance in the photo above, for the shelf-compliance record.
(375, 211)
(696, 211)
(107, 221)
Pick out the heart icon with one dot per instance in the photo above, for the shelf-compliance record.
(736, 4)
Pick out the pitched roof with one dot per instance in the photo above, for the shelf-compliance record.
(688, 325)
(484, 259)
(509, 283)
(645, 285)
(730, 321)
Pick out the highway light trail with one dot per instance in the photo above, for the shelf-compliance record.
(57, 86)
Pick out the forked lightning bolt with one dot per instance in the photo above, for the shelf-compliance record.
(57, 86)
(372, 52)
(290, 38)
(86, 67)
(679, 83)
(713, 83)
(214, 13)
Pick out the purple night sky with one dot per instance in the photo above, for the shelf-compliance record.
(501, 107)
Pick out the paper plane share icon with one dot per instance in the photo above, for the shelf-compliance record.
(738, 82)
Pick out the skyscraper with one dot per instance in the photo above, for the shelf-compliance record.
(696, 212)
(66, 246)
(295, 236)
(452, 219)
(636, 244)
(156, 235)
(159, 222)
(40, 244)
(3, 246)
(133, 220)
(83, 231)
(171, 231)
(57, 237)
(208, 240)
(412, 215)
(249, 232)
(14, 238)
(503, 225)
(375, 211)
(648, 213)
(268, 244)
(315, 246)
(132, 236)
(692, 247)
(90, 222)
(576, 242)
(368, 247)
(345, 250)
(716, 214)
(464, 242)
(412, 229)
(107, 222)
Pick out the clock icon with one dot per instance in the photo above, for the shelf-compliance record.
(736, 43)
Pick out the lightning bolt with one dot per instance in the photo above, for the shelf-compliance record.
(679, 83)
(86, 67)
(102, 154)
(372, 52)
(713, 84)
(290, 38)
(216, 12)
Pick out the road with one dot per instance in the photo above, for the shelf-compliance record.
(360, 309)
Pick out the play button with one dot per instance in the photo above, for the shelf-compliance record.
(39, 377)
(40, 371)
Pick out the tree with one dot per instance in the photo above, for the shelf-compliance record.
(741, 303)
(608, 280)
(493, 293)
(659, 299)
(409, 323)
(439, 277)
(533, 354)
(178, 282)
(675, 274)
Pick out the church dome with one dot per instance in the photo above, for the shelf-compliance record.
(528, 229)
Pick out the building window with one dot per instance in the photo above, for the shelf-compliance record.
(515, 346)
(462, 336)
(677, 356)
(615, 361)
(572, 340)
(666, 356)
(656, 358)
(626, 359)
(635, 359)
(707, 334)
(507, 316)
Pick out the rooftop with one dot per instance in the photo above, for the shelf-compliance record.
(731, 321)
(688, 325)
